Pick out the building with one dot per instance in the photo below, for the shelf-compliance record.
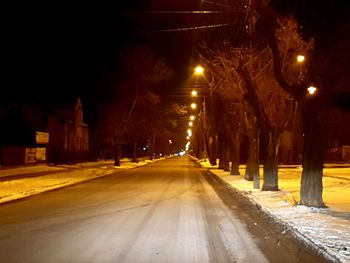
(31, 133)
(69, 135)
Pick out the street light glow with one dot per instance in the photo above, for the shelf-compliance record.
(199, 70)
(311, 90)
(194, 106)
(194, 93)
(189, 132)
(190, 123)
(300, 58)
(191, 117)
(170, 141)
(187, 146)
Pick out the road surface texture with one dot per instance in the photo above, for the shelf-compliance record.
(169, 211)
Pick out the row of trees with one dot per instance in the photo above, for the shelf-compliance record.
(254, 84)
(134, 114)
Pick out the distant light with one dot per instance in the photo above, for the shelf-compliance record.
(199, 70)
(160, 154)
(144, 148)
(191, 117)
(188, 145)
(193, 105)
(300, 58)
(190, 123)
(170, 141)
(194, 93)
(189, 132)
(188, 137)
(311, 90)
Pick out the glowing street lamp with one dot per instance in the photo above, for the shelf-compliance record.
(190, 123)
(187, 146)
(189, 132)
(300, 58)
(312, 90)
(199, 70)
(191, 117)
(194, 93)
(194, 106)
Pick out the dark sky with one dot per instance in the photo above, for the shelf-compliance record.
(56, 52)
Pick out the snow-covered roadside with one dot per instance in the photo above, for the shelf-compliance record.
(29, 170)
(327, 229)
(20, 188)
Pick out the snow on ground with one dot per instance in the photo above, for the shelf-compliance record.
(19, 188)
(28, 170)
(328, 229)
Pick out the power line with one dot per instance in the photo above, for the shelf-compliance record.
(215, 3)
(183, 12)
(186, 28)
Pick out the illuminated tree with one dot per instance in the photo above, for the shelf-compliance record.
(329, 27)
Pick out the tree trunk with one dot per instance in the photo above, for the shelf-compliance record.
(252, 167)
(314, 113)
(227, 156)
(222, 153)
(117, 153)
(271, 161)
(134, 152)
(213, 150)
(235, 153)
(152, 148)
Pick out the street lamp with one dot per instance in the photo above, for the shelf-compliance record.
(189, 132)
(300, 58)
(191, 117)
(198, 70)
(312, 90)
(190, 123)
(194, 106)
(194, 93)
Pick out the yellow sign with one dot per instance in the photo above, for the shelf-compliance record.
(40, 154)
(42, 137)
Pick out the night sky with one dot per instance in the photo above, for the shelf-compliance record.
(56, 52)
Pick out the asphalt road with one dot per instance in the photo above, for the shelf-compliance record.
(169, 211)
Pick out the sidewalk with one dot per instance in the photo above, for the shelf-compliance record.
(21, 182)
(326, 229)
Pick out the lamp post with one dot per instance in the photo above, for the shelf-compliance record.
(300, 60)
(199, 71)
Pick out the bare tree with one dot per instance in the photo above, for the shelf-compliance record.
(314, 108)
(132, 97)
